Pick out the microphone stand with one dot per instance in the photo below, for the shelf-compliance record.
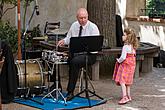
(24, 38)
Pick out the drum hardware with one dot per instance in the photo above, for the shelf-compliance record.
(37, 90)
(57, 90)
(21, 91)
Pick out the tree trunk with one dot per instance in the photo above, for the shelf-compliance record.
(102, 12)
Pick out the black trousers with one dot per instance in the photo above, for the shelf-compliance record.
(75, 64)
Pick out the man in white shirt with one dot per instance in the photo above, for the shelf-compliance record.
(81, 27)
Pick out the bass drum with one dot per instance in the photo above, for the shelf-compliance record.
(34, 74)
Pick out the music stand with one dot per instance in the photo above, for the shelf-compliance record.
(86, 45)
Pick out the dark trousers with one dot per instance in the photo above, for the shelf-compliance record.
(75, 64)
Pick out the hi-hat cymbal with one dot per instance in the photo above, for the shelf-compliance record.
(59, 31)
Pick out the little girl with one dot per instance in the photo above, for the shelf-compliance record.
(125, 65)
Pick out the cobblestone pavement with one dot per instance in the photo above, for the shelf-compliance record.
(148, 93)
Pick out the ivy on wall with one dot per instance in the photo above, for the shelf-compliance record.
(9, 34)
(155, 8)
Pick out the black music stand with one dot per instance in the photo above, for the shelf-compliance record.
(86, 45)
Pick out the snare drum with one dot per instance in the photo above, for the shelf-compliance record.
(54, 56)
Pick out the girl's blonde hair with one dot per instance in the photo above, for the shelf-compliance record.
(131, 37)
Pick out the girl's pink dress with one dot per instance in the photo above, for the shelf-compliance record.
(124, 72)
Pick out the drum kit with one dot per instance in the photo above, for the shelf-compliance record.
(31, 72)
(36, 72)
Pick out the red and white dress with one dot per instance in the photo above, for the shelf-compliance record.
(125, 66)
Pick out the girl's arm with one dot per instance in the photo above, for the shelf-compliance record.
(123, 54)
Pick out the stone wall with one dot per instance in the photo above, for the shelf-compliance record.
(50, 10)
(134, 7)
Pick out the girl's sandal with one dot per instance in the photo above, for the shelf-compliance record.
(129, 98)
(124, 100)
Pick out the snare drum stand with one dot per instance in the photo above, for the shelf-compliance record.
(57, 89)
(56, 63)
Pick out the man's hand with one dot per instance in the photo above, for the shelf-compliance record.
(60, 43)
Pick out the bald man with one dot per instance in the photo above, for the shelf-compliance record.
(78, 61)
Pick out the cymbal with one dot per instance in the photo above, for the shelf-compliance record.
(59, 31)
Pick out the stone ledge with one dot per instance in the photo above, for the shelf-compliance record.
(146, 19)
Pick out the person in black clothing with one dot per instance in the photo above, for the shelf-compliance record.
(8, 76)
(119, 31)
